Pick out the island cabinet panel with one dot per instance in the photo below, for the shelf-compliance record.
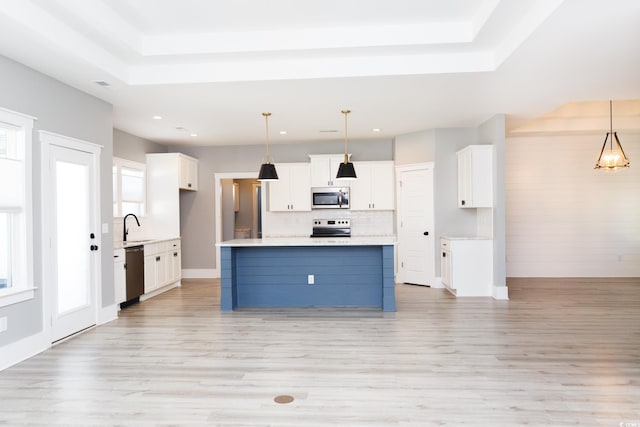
(342, 276)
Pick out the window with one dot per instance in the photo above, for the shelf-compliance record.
(16, 258)
(129, 187)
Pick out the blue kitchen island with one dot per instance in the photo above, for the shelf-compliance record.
(276, 272)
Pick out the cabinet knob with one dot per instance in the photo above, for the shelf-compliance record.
(463, 202)
(444, 254)
(157, 258)
(426, 233)
(189, 185)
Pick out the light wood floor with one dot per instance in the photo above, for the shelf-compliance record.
(559, 353)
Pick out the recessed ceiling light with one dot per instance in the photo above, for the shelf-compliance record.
(157, 117)
(283, 132)
(376, 129)
(193, 134)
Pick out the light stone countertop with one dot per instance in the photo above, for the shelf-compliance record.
(466, 237)
(312, 241)
(130, 243)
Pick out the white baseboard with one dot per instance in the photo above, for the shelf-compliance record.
(107, 314)
(200, 273)
(21, 350)
(438, 283)
(500, 292)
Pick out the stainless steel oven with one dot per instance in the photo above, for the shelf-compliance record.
(330, 198)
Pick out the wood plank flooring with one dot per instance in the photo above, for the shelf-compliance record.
(558, 353)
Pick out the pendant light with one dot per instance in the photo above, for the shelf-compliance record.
(267, 169)
(612, 158)
(346, 169)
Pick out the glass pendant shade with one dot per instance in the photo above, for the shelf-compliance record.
(613, 157)
(346, 169)
(267, 169)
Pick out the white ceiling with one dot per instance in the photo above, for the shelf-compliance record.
(212, 67)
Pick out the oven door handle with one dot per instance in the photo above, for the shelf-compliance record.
(340, 199)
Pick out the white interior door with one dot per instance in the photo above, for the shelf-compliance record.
(74, 240)
(416, 251)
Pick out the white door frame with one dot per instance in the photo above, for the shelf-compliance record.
(399, 170)
(48, 139)
(218, 177)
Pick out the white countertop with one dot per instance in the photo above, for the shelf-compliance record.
(130, 243)
(312, 241)
(466, 237)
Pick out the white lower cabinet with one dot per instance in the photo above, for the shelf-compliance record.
(162, 264)
(466, 266)
(119, 276)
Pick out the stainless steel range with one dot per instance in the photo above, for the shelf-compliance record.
(331, 228)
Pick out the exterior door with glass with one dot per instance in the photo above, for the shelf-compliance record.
(73, 238)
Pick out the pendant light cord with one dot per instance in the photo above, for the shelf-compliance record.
(611, 124)
(346, 143)
(266, 119)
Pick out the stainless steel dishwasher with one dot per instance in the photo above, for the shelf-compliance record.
(135, 274)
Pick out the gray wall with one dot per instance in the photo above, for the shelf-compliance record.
(197, 214)
(66, 111)
(244, 217)
(131, 147)
(417, 147)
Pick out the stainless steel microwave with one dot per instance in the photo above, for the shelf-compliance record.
(330, 198)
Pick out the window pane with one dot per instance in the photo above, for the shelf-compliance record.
(12, 188)
(132, 184)
(132, 207)
(5, 250)
(115, 183)
(72, 215)
(3, 142)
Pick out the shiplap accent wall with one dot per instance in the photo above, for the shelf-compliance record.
(565, 219)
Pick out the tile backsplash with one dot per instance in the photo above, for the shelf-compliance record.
(299, 224)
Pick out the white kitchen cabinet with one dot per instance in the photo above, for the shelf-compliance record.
(161, 264)
(466, 266)
(174, 270)
(475, 176)
(119, 276)
(292, 191)
(165, 180)
(188, 167)
(324, 168)
(374, 189)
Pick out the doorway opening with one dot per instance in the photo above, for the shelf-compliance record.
(241, 206)
(224, 206)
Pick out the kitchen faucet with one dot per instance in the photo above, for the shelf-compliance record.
(124, 226)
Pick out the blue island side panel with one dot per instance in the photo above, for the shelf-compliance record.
(277, 277)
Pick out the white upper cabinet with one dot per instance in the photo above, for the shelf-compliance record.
(188, 167)
(374, 189)
(324, 168)
(292, 191)
(475, 176)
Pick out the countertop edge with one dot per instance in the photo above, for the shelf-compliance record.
(308, 241)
